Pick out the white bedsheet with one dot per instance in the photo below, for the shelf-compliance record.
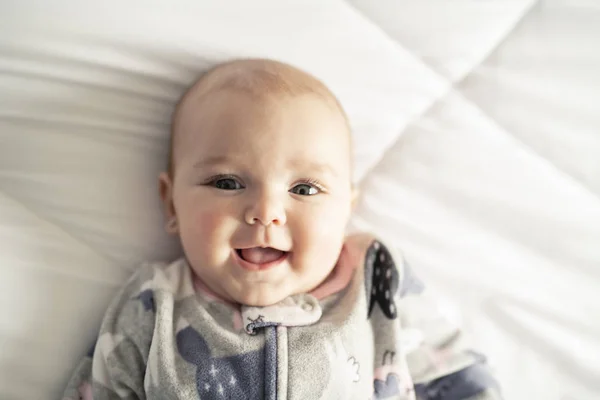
(494, 191)
(478, 153)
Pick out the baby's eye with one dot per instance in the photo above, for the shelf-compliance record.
(305, 189)
(227, 184)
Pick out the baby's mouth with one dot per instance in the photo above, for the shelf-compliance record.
(260, 255)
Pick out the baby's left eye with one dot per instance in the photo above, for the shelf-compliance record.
(305, 189)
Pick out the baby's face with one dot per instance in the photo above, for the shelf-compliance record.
(262, 194)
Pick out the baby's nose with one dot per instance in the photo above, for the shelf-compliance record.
(267, 210)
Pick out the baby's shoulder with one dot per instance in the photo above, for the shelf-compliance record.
(139, 297)
(369, 250)
(387, 275)
(155, 276)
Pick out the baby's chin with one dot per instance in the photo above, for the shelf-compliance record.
(269, 292)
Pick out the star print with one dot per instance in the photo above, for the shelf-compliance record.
(232, 381)
(220, 390)
(213, 373)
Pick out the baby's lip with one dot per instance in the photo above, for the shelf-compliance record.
(238, 250)
(264, 246)
(258, 267)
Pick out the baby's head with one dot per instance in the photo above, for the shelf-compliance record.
(259, 183)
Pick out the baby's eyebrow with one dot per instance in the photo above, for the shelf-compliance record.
(211, 160)
(313, 166)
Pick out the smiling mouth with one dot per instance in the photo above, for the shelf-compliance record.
(260, 258)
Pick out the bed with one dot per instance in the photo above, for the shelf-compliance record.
(477, 152)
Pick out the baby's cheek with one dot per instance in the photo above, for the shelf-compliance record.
(213, 225)
(207, 221)
(330, 223)
(206, 236)
(323, 238)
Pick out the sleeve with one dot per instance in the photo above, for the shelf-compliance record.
(115, 368)
(441, 363)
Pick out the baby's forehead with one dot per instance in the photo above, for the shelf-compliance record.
(260, 79)
(264, 81)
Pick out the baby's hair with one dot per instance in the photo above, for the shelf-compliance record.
(259, 78)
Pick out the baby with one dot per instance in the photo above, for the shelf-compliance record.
(271, 299)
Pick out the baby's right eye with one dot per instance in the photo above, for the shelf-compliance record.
(227, 184)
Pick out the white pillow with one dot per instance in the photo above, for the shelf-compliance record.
(86, 92)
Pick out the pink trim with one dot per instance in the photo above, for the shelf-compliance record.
(207, 292)
(339, 278)
(203, 290)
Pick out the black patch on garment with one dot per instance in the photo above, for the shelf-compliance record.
(147, 299)
(388, 388)
(462, 384)
(382, 284)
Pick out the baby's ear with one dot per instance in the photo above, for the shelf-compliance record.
(165, 189)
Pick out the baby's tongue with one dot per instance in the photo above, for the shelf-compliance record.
(259, 255)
